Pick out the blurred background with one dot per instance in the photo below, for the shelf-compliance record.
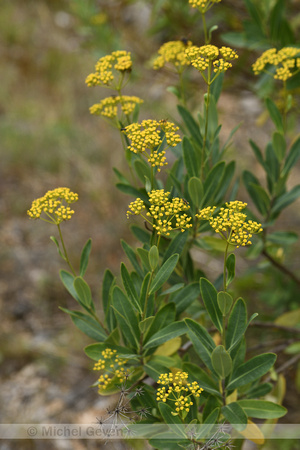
(48, 139)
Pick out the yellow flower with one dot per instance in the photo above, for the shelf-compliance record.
(112, 365)
(285, 62)
(119, 61)
(231, 224)
(108, 107)
(173, 53)
(201, 57)
(54, 205)
(165, 215)
(203, 5)
(176, 389)
(146, 138)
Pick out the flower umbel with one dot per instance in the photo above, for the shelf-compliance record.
(172, 53)
(55, 206)
(107, 67)
(166, 215)
(231, 224)
(203, 5)
(177, 390)
(108, 107)
(147, 137)
(286, 62)
(202, 58)
(112, 366)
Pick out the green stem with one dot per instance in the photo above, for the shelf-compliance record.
(224, 268)
(204, 29)
(206, 119)
(65, 251)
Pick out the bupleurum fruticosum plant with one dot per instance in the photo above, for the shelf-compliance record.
(158, 301)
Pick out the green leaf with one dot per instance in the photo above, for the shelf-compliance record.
(225, 301)
(272, 165)
(279, 145)
(257, 153)
(252, 370)
(204, 379)
(153, 257)
(83, 291)
(275, 115)
(208, 427)
(209, 296)
(195, 189)
(235, 415)
(221, 361)
(286, 199)
(132, 258)
(164, 273)
(230, 266)
(169, 418)
(292, 158)
(212, 183)
(53, 239)
(185, 297)
(94, 351)
(189, 157)
(157, 365)
(191, 125)
(84, 260)
(166, 334)
(144, 257)
(130, 190)
(283, 237)
(256, 192)
(145, 324)
(216, 86)
(108, 283)
(141, 234)
(176, 245)
(237, 324)
(68, 279)
(87, 325)
(144, 293)
(129, 288)
(164, 317)
(260, 391)
(225, 181)
(142, 169)
(126, 317)
(202, 341)
(262, 409)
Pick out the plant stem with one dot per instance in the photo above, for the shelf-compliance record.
(204, 28)
(224, 268)
(281, 267)
(206, 119)
(65, 251)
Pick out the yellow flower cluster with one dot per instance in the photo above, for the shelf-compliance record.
(173, 53)
(167, 215)
(54, 204)
(201, 57)
(112, 364)
(175, 388)
(108, 107)
(147, 136)
(203, 5)
(286, 61)
(119, 60)
(231, 224)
